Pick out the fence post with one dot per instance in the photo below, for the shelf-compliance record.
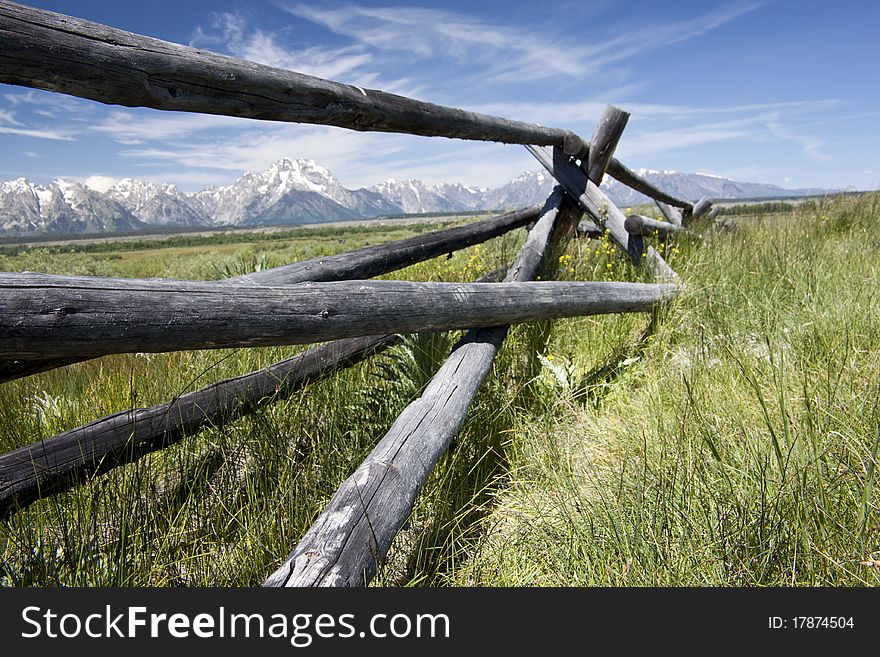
(605, 138)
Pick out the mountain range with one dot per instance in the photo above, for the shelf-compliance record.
(293, 192)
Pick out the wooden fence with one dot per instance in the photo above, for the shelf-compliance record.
(53, 321)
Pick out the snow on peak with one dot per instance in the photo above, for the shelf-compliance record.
(17, 185)
(300, 164)
(71, 191)
(654, 172)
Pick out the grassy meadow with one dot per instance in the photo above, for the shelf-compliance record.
(728, 439)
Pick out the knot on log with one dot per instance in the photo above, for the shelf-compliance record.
(60, 312)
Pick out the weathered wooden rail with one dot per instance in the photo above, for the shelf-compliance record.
(44, 316)
(48, 321)
(53, 465)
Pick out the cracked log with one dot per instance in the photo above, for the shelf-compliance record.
(605, 138)
(60, 53)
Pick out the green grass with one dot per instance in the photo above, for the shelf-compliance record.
(731, 439)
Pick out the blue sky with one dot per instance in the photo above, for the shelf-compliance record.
(777, 91)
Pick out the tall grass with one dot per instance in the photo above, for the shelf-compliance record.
(739, 449)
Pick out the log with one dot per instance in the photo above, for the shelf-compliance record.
(699, 208)
(637, 224)
(379, 259)
(358, 264)
(55, 52)
(54, 465)
(11, 369)
(355, 530)
(594, 202)
(51, 51)
(672, 215)
(44, 316)
(632, 179)
(604, 141)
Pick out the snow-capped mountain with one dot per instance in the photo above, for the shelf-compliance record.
(161, 205)
(289, 192)
(300, 191)
(529, 188)
(416, 197)
(61, 207)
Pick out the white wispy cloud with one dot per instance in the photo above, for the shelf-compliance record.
(498, 52)
(652, 141)
(8, 117)
(810, 145)
(135, 127)
(20, 97)
(352, 64)
(54, 135)
(586, 111)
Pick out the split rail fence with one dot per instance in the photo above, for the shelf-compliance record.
(49, 321)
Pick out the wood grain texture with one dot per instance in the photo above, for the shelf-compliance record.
(587, 195)
(44, 316)
(699, 208)
(60, 53)
(605, 138)
(594, 202)
(383, 258)
(353, 533)
(357, 264)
